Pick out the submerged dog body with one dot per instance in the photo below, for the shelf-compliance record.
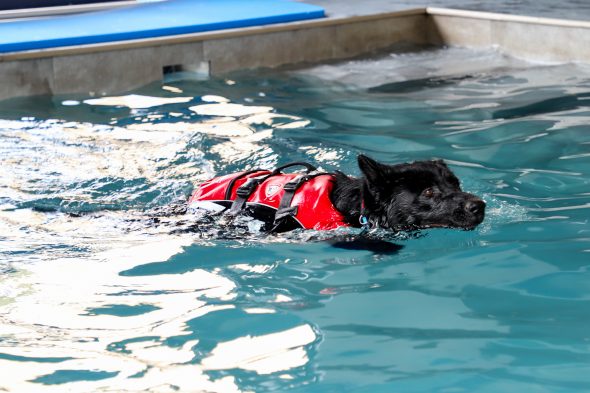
(422, 194)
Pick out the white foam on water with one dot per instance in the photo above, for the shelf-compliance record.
(499, 212)
(398, 67)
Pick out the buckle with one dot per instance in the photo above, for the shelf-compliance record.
(247, 188)
(294, 184)
(291, 186)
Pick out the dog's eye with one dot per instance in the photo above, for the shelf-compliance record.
(428, 193)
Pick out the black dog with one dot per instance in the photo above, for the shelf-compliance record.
(422, 194)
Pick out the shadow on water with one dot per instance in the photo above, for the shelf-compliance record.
(376, 246)
(415, 85)
(567, 102)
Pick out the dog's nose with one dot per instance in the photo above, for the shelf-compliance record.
(475, 206)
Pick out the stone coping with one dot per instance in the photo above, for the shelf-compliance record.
(506, 17)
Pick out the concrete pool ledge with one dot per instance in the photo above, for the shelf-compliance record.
(531, 38)
(115, 67)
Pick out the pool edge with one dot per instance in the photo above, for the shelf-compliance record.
(108, 68)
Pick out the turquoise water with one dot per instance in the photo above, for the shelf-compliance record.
(98, 295)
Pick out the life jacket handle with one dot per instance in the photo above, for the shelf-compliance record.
(309, 168)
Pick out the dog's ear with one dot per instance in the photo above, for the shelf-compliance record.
(375, 173)
(440, 163)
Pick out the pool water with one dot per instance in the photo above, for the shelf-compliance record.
(99, 294)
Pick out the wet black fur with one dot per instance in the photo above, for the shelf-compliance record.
(422, 194)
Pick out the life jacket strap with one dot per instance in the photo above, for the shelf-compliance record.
(243, 193)
(285, 209)
(233, 181)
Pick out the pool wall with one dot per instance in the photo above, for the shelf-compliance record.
(115, 67)
(540, 39)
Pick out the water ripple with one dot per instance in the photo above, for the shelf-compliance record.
(107, 285)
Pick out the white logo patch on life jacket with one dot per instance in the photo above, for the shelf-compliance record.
(272, 189)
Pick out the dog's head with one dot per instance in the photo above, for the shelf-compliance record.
(422, 194)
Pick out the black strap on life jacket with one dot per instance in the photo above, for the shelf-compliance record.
(245, 190)
(285, 209)
(231, 184)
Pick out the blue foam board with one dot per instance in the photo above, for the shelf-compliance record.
(147, 20)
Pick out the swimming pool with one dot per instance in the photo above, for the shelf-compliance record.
(97, 295)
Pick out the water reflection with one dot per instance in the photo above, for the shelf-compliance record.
(51, 307)
(135, 101)
(265, 354)
(61, 315)
(71, 311)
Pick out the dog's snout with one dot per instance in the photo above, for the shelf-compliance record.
(475, 206)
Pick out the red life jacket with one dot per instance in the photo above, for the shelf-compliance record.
(310, 205)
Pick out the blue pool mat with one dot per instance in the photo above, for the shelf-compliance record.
(146, 20)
